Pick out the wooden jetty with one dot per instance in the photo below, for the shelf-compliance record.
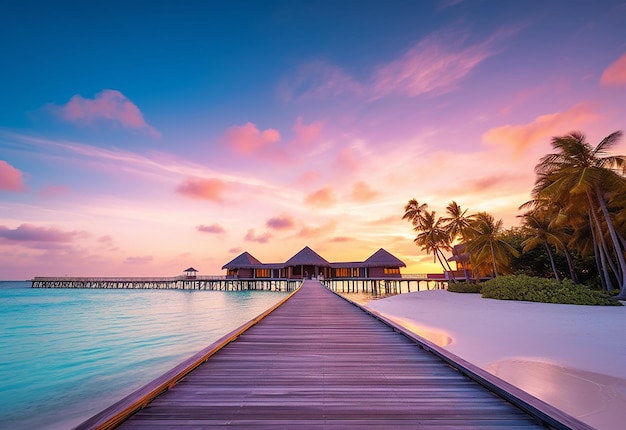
(381, 286)
(215, 283)
(318, 361)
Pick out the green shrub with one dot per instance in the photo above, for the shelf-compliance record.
(464, 287)
(533, 289)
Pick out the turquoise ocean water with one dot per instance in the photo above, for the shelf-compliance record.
(66, 354)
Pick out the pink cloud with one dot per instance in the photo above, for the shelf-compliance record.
(339, 239)
(251, 237)
(316, 232)
(306, 134)
(435, 65)
(615, 74)
(10, 178)
(235, 250)
(346, 161)
(139, 260)
(211, 229)
(387, 220)
(53, 191)
(31, 233)
(308, 177)
(109, 105)
(282, 222)
(321, 198)
(361, 192)
(496, 182)
(209, 189)
(248, 139)
(522, 137)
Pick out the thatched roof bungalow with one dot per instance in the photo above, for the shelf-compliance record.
(307, 264)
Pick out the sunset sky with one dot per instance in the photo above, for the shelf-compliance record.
(140, 138)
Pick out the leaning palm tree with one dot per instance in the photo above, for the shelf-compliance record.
(486, 246)
(552, 216)
(457, 223)
(433, 237)
(579, 169)
(541, 233)
(413, 212)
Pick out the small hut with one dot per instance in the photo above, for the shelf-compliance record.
(190, 273)
(383, 264)
(242, 266)
(307, 264)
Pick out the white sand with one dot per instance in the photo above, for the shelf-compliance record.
(572, 357)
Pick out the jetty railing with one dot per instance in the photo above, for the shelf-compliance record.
(213, 283)
(381, 286)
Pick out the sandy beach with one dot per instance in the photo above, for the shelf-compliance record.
(572, 357)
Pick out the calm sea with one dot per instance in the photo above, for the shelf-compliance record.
(66, 354)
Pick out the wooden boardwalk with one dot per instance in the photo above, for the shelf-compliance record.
(319, 362)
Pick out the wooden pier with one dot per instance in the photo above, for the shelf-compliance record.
(214, 283)
(386, 286)
(318, 361)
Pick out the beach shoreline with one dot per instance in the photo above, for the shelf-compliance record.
(569, 356)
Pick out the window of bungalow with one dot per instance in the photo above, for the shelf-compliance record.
(262, 273)
(342, 272)
(355, 273)
(391, 271)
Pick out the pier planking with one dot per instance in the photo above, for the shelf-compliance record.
(318, 361)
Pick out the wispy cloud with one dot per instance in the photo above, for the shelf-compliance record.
(53, 191)
(211, 229)
(321, 198)
(305, 134)
(433, 66)
(307, 232)
(252, 237)
(282, 222)
(361, 192)
(146, 259)
(33, 234)
(207, 189)
(107, 105)
(318, 80)
(615, 74)
(521, 137)
(10, 178)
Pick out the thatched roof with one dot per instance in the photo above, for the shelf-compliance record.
(382, 258)
(307, 257)
(243, 261)
(191, 269)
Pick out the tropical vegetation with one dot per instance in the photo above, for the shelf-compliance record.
(533, 289)
(573, 229)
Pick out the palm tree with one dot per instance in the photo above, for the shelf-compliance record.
(579, 169)
(486, 246)
(413, 212)
(556, 221)
(541, 233)
(433, 237)
(456, 224)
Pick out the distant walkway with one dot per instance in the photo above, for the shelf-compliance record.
(319, 362)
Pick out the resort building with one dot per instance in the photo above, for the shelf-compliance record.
(309, 264)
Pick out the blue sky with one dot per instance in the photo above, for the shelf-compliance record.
(142, 137)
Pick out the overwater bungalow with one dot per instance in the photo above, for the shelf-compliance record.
(309, 264)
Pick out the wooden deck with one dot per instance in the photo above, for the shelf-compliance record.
(319, 362)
